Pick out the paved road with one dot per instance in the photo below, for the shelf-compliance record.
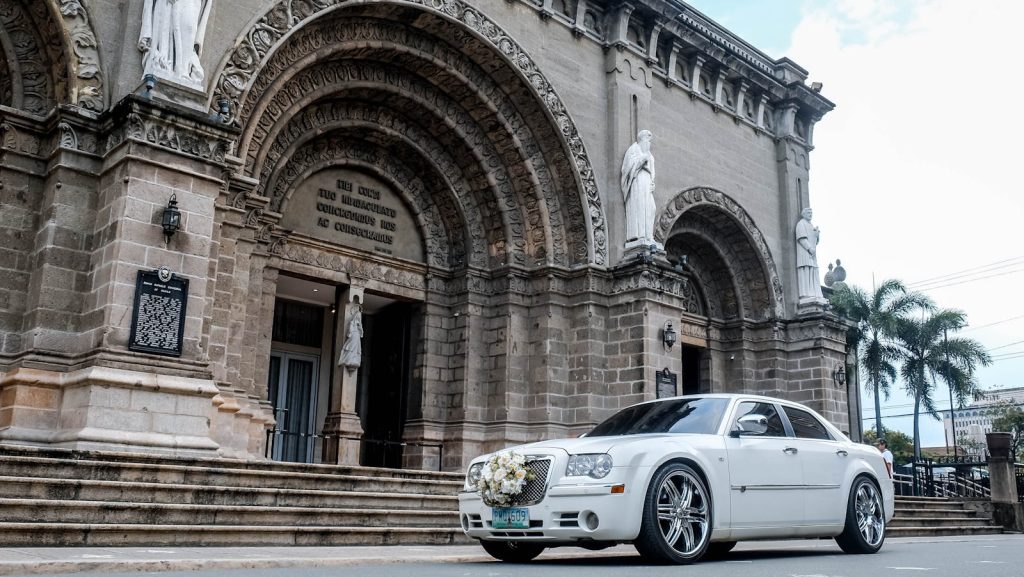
(983, 556)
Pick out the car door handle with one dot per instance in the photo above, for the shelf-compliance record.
(790, 450)
(842, 453)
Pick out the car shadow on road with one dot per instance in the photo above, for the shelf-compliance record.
(744, 556)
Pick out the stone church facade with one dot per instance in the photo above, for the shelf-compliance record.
(401, 226)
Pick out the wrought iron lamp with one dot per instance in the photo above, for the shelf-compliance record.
(171, 221)
(668, 335)
(839, 375)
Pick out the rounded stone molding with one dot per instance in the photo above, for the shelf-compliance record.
(703, 196)
(273, 30)
(50, 56)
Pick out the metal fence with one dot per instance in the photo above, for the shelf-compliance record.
(1019, 468)
(301, 447)
(961, 477)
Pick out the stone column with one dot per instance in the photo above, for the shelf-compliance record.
(1007, 511)
(1001, 468)
(343, 427)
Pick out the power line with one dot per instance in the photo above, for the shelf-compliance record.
(992, 324)
(1017, 356)
(948, 276)
(926, 289)
(1005, 346)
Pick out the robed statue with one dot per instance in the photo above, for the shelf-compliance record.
(637, 182)
(352, 351)
(171, 38)
(808, 281)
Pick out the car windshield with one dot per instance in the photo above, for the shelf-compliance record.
(695, 415)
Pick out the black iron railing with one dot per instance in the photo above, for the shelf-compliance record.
(1019, 469)
(964, 477)
(333, 443)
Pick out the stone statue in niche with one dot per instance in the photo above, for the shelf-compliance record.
(171, 39)
(808, 282)
(352, 351)
(637, 182)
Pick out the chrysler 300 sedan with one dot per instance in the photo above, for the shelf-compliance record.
(683, 478)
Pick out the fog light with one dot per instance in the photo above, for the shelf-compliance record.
(590, 520)
(465, 523)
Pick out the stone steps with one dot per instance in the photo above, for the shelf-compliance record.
(118, 491)
(944, 531)
(931, 517)
(220, 477)
(137, 535)
(954, 521)
(110, 513)
(57, 497)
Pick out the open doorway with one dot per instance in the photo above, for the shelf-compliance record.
(384, 379)
(691, 374)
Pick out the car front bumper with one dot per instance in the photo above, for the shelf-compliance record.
(567, 514)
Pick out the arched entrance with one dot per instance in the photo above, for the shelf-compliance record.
(411, 153)
(735, 288)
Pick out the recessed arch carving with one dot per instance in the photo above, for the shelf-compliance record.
(49, 56)
(723, 223)
(562, 172)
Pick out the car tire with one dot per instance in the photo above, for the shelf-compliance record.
(719, 549)
(864, 531)
(677, 516)
(512, 551)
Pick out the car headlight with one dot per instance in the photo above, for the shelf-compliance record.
(596, 466)
(473, 475)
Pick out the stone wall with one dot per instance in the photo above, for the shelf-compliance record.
(501, 125)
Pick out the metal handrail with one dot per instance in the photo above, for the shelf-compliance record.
(272, 433)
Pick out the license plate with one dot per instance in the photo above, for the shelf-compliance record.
(510, 518)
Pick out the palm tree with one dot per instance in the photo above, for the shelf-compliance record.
(876, 317)
(925, 354)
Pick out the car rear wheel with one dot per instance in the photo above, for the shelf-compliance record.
(865, 519)
(676, 523)
(512, 551)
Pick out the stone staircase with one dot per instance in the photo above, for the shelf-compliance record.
(930, 517)
(57, 497)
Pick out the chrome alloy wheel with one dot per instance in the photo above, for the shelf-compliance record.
(870, 519)
(683, 512)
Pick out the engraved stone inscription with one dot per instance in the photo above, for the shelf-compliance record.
(158, 318)
(354, 209)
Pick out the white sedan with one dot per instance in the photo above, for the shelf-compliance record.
(688, 477)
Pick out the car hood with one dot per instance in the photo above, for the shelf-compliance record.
(595, 444)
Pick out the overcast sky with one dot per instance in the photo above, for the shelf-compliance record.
(916, 174)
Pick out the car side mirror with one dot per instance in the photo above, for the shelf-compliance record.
(752, 424)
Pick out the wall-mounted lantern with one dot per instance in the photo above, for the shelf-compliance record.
(668, 335)
(839, 375)
(172, 218)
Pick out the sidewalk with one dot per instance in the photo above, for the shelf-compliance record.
(49, 560)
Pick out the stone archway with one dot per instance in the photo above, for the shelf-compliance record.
(49, 55)
(528, 182)
(726, 252)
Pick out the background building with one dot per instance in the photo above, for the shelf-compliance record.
(974, 420)
(435, 184)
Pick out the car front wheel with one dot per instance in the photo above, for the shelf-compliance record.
(676, 523)
(512, 551)
(865, 519)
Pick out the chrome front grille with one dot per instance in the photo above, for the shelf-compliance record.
(534, 490)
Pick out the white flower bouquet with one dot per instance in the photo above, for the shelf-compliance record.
(504, 476)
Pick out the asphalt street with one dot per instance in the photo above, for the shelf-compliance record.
(983, 556)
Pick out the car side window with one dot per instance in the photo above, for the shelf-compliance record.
(805, 425)
(775, 426)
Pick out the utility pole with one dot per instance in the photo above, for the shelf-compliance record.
(952, 409)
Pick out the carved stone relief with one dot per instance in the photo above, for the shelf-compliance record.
(693, 197)
(414, 174)
(244, 64)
